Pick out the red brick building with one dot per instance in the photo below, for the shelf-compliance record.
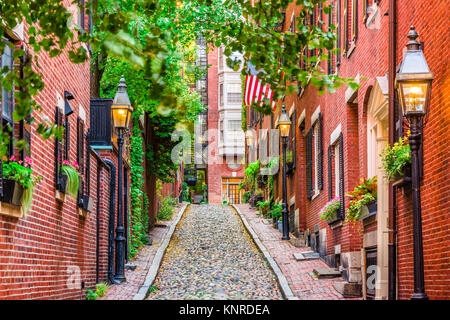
(336, 139)
(63, 245)
(225, 137)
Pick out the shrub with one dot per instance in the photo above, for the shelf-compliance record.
(276, 211)
(165, 210)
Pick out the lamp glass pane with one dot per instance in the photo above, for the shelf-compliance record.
(414, 95)
(120, 116)
(284, 130)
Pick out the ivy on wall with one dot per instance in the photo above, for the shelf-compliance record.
(139, 201)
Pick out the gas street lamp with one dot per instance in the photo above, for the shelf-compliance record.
(249, 140)
(413, 84)
(284, 124)
(121, 110)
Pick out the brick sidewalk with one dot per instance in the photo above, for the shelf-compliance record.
(136, 278)
(299, 274)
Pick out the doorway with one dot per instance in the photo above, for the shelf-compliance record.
(230, 190)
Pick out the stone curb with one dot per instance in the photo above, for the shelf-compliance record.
(282, 281)
(156, 263)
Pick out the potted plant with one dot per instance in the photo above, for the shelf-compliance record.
(363, 197)
(280, 224)
(259, 195)
(72, 178)
(263, 207)
(396, 160)
(18, 182)
(276, 214)
(330, 209)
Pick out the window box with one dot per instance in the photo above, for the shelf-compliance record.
(10, 204)
(290, 167)
(405, 179)
(86, 203)
(335, 218)
(12, 192)
(368, 210)
(61, 188)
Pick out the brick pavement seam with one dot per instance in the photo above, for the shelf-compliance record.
(153, 270)
(286, 290)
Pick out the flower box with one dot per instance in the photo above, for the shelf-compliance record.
(12, 192)
(86, 203)
(290, 167)
(368, 210)
(334, 218)
(62, 183)
(405, 179)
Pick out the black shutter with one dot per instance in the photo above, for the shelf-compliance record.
(100, 122)
(309, 190)
(87, 176)
(80, 143)
(294, 140)
(58, 146)
(338, 31)
(341, 176)
(66, 138)
(320, 153)
(330, 173)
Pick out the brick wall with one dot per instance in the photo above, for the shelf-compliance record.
(369, 60)
(430, 24)
(41, 254)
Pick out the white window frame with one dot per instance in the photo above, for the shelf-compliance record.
(336, 148)
(316, 159)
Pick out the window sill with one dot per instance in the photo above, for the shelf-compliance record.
(316, 194)
(60, 196)
(351, 49)
(10, 210)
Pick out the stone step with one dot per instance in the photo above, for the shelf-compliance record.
(306, 255)
(326, 273)
(348, 290)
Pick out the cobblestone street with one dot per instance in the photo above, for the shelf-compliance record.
(211, 256)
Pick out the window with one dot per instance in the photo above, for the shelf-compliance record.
(331, 56)
(292, 141)
(350, 25)
(221, 94)
(7, 100)
(314, 164)
(336, 173)
(234, 95)
(81, 15)
(338, 31)
(221, 58)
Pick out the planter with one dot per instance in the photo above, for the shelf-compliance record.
(405, 180)
(61, 185)
(289, 167)
(86, 203)
(261, 181)
(280, 225)
(333, 219)
(12, 192)
(368, 210)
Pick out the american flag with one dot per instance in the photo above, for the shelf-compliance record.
(254, 90)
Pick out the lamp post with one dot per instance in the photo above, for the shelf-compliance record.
(284, 124)
(121, 110)
(249, 140)
(413, 83)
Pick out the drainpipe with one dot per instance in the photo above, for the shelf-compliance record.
(392, 261)
(112, 218)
